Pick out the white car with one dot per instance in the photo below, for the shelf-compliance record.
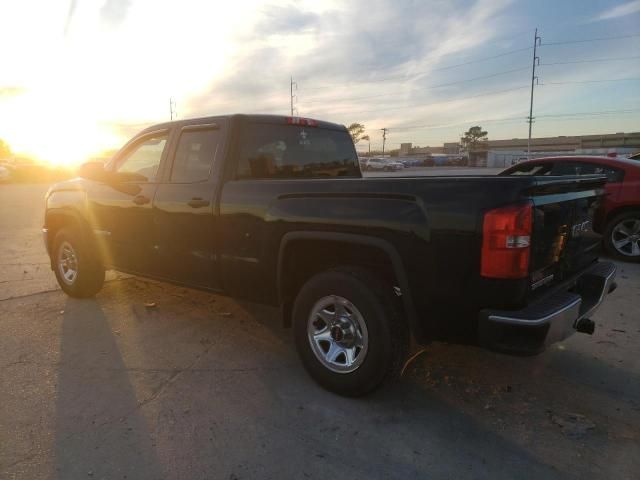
(384, 165)
(5, 174)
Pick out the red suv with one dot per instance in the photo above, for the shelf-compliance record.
(618, 218)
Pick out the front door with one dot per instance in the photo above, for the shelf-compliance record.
(120, 210)
(183, 208)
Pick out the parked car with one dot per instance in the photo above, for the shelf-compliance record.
(411, 162)
(5, 174)
(383, 164)
(618, 217)
(242, 206)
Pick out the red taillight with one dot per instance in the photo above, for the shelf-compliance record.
(506, 239)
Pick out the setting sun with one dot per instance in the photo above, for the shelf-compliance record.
(78, 91)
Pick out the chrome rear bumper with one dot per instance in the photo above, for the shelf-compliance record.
(551, 318)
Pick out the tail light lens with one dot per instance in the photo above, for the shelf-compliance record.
(506, 242)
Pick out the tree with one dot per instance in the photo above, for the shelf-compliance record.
(356, 130)
(473, 138)
(5, 149)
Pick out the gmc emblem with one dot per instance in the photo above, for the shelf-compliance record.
(580, 228)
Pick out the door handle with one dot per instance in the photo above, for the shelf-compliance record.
(197, 202)
(141, 200)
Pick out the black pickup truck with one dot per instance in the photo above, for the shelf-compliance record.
(274, 210)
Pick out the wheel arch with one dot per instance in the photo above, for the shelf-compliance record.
(619, 210)
(387, 260)
(57, 219)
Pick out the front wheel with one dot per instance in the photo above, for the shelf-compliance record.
(349, 331)
(78, 270)
(622, 236)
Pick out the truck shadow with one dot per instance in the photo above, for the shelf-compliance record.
(99, 430)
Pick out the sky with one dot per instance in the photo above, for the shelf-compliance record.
(80, 77)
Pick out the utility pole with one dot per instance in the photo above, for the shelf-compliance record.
(384, 138)
(534, 80)
(291, 85)
(172, 108)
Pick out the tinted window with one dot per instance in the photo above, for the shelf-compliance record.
(531, 169)
(194, 155)
(294, 151)
(143, 161)
(583, 168)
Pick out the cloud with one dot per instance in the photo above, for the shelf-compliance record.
(281, 20)
(113, 12)
(345, 55)
(619, 11)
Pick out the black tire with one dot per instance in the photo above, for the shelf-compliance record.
(624, 218)
(90, 271)
(388, 336)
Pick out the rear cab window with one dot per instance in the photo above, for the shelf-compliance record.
(270, 150)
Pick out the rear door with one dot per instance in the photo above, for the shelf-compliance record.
(183, 209)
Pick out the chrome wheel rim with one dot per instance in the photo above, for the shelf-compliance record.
(67, 263)
(337, 334)
(625, 237)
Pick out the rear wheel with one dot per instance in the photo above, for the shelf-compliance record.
(77, 267)
(622, 236)
(349, 331)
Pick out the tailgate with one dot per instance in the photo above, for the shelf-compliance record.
(563, 241)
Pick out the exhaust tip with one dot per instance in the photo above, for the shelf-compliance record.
(586, 325)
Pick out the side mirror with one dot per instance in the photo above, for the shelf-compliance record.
(93, 171)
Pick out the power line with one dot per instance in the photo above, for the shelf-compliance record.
(505, 72)
(603, 112)
(417, 74)
(483, 94)
(483, 59)
(591, 81)
(516, 119)
(449, 125)
(586, 40)
(592, 60)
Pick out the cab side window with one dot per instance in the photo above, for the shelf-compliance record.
(142, 162)
(195, 154)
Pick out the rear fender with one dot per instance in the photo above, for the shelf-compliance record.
(353, 239)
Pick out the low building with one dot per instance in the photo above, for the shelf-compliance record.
(407, 150)
(503, 153)
(569, 143)
(451, 148)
